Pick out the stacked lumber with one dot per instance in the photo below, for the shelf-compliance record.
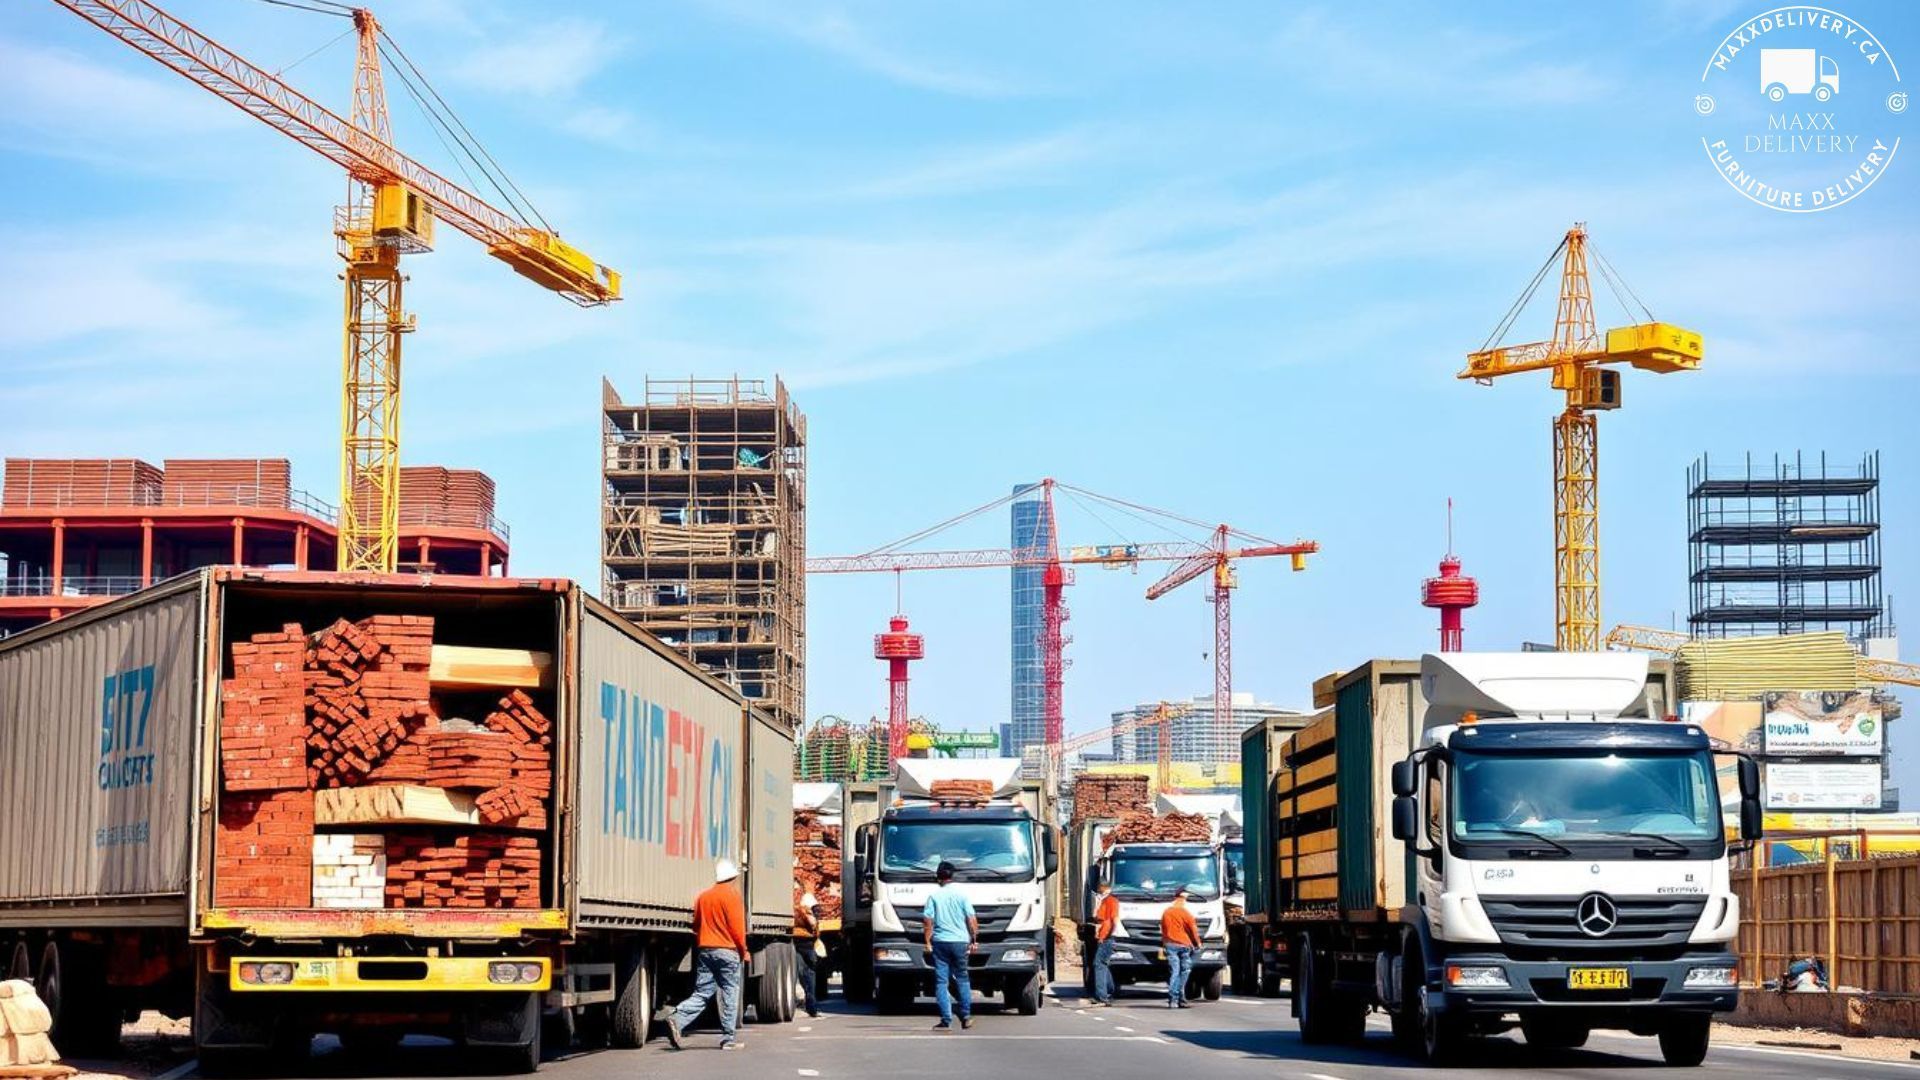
(960, 791)
(474, 870)
(1306, 844)
(1144, 827)
(689, 541)
(816, 863)
(263, 719)
(80, 482)
(349, 870)
(24, 1023)
(263, 850)
(1100, 796)
(226, 481)
(1742, 669)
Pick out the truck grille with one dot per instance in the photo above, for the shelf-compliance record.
(1643, 927)
(994, 918)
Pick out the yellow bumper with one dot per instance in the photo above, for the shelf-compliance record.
(362, 973)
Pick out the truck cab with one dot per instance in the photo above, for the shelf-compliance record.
(1003, 852)
(1569, 859)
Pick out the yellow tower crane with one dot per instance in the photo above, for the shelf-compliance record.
(392, 204)
(1576, 354)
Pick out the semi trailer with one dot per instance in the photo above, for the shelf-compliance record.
(1484, 840)
(119, 891)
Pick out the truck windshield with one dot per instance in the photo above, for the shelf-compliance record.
(1142, 877)
(978, 850)
(1552, 800)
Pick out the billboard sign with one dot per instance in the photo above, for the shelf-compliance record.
(1830, 723)
(1823, 787)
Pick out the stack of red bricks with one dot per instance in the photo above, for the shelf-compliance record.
(263, 721)
(1096, 796)
(476, 870)
(961, 791)
(1145, 828)
(263, 851)
(816, 863)
(367, 688)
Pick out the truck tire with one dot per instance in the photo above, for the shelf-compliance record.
(1442, 1039)
(1326, 1015)
(1269, 976)
(72, 983)
(1546, 1033)
(633, 1007)
(1214, 984)
(525, 1058)
(20, 964)
(1027, 997)
(764, 988)
(789, 984)
(1684, 1039)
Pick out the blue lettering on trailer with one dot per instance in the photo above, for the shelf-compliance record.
(126, 703)
(666, 781)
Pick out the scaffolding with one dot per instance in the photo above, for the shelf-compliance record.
(703, 543)
(1785, 549)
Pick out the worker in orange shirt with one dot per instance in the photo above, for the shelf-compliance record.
(721, 953)
(1106, 914)
(1180, 936)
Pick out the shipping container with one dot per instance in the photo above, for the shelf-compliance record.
(111, 794)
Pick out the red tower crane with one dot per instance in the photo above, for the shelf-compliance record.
(1056, 574)
(1452, 592)
(898, 648)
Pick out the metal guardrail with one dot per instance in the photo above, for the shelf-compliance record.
(72, 585)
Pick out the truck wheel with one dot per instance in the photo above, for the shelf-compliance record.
(1310, 992)
(789, 987)
(524, 1058)
(1214, 984)
(1269, 975)
(1443, 1038)
(20, 965)
(633, 1007)
(1028, 998)
(558, 1028)
(1546, 1033)
(1684, 1040)
(764, 989)
(73, 985)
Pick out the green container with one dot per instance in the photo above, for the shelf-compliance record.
(1262, 748)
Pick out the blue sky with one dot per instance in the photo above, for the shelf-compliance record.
(1224, 260)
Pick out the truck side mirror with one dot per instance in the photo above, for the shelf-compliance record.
(862, 849)
(1406, 816)
(1050, 852)
(1403, 782)
(1749, 778)
(1233, 878)
(1752, 823)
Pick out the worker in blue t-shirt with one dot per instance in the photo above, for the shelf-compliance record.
(952, 934)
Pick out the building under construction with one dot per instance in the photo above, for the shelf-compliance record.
(704, 515)
(1784, 546)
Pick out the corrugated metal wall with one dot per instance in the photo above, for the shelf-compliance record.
(770, 838)
(97, 733)
(1256, 765)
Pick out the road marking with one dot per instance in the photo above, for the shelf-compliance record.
(809, 1072)
(1737, 1048)
(179, 1071)
(809, 1027)
(944, 1036)
(1122, 1027)
(1322, 1076)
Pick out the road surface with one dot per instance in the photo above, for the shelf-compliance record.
(1140, 1037)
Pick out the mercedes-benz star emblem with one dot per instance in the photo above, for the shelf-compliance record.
(1595, 915)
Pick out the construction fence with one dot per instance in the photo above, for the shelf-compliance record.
(1860, 917)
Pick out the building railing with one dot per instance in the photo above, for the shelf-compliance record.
(272, 497)
(437, 517)
(1817, 515)
(71, 585)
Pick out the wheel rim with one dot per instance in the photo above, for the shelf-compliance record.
(1429, 1025)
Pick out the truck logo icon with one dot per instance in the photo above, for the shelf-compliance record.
(1798, 71)
(1595, 915)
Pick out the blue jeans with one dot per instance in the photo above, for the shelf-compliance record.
(716, 974)
(950, 960)
(1103, 970)
(1179, 966)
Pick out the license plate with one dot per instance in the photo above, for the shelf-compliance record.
(1596, 978)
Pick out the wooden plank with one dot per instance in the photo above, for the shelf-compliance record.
(1312, 735)
(1323, 689)
(1324, 840)
(463, 667)
(1314, 772)
(1315, 800)
(1318, 865)
(393, 804)
(1326, 888)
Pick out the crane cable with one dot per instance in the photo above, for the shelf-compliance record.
(1617, 282)
(1526, 296)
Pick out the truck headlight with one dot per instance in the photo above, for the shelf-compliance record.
(1479, 977)
(1702, 977)
(512, 971)
(892, 956)
(1017, 956)
(1211, 954)
(1122, 954)
(272, 973)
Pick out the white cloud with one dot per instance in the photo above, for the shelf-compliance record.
(550, 60)
(1461, 67)
(834, 32)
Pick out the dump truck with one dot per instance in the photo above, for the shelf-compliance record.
(1480, 840)
(139, 874)
(1004, 848)
(1143, 874)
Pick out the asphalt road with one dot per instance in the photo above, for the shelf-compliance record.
(1140, 1037)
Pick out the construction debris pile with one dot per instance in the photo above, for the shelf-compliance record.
(24, 1023)
(816, 863)
(1096, 796)
(1145, 828)
(352, 708)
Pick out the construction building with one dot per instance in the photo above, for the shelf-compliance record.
(75, 533)
(1028, 726)
(1785, 546)
(1198, 737)
(704, 491)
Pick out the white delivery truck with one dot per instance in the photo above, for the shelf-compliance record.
(1004, 849)
(1143, 876)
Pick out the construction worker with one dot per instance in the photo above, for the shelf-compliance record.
(952, 933)
(1106, 913)
(721, 953)
(806, 945)
(1180, 936)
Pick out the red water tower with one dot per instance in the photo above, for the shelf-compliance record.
(898, 648)
(1452, 592)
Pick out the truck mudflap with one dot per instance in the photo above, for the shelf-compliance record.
(295, 974)
(1704, 982)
